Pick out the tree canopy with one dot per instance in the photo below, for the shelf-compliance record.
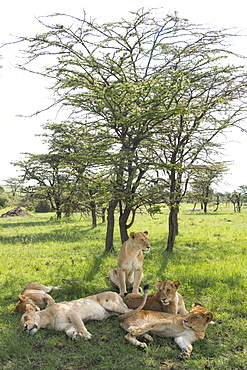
(152, 95)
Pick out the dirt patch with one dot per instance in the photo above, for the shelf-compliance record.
(18, 211)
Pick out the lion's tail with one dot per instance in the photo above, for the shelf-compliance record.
(132, 312)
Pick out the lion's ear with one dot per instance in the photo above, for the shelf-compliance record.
(29, 308)
(209, 317)
(145, 232)
(22, 298)
(197, 303)
(176, 284)
(158, 282)
(133, 235)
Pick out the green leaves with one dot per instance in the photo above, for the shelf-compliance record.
(151, 94)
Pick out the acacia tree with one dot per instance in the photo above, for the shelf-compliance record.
(14, 184)
(51, 179)
(70, 142)
(210, 98)
(236, 199)
(202, 179)
(154, 94)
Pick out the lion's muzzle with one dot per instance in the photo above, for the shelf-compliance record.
(165, 302)
(32, 330)
(146, 250)
(186, 325)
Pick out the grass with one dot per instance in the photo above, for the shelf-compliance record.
(210, 259)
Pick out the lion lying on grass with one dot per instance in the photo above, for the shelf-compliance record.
(36, 296)
(167, 299)
(185, 329)
(128, 274)
(69, 316)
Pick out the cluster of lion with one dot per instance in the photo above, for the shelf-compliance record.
(162, 313)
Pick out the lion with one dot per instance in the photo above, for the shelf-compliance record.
(185, 329)
(128, 274)
(167, 299)
(36, 296)
(70, 316)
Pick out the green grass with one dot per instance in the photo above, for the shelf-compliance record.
(210, 259)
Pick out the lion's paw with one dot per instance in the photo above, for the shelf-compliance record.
(134, 330)
(75, 336)
(184, 355)
(148, 337)
(142, 345)
(87, 336)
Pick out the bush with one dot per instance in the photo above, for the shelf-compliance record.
(4, 200)
(42, 207)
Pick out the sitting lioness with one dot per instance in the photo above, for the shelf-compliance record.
(36, 296)
(69, 316)
(185, 329)
(129, 268)
(167, 299)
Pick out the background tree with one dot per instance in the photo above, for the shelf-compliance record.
(14, 184)
(243, 191)
(84, 157)
(53, 181)
(154, 94)
(202, 180)
(236, 200)
(4, 200)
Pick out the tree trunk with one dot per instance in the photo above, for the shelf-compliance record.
(110, 226)
(173, 227)
(103, 214)
(205, 203)
(93, 214)
(59, 214)
(217, 203)
(123, 218)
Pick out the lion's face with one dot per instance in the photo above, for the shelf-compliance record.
(167, 290)
(30, 321)
(197, 320)
(23, 301)
(140, 241)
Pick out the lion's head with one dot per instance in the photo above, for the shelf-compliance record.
(198, 318)
(23, 301)
(140, 241)
(167, 290)
(30, 320)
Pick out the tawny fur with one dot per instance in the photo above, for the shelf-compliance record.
(185, 329)
(166, 299)
(70, 316)
(36, 296)
(128, 274)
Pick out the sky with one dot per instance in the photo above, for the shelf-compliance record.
(22, 93)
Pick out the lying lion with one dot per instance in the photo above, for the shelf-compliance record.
(128, 274)
(185, 329)
(36, 296)
(69, 316)
(167, 299)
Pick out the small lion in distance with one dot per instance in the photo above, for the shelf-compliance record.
(70, 316)
(167, 299)
(185, 329)
(36, 296)
(128, 274)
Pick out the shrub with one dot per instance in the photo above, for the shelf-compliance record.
(4, 200)
(42, 207)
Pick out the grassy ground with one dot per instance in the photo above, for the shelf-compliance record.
(209, 259)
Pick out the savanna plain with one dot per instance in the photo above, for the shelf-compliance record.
(209, 258)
